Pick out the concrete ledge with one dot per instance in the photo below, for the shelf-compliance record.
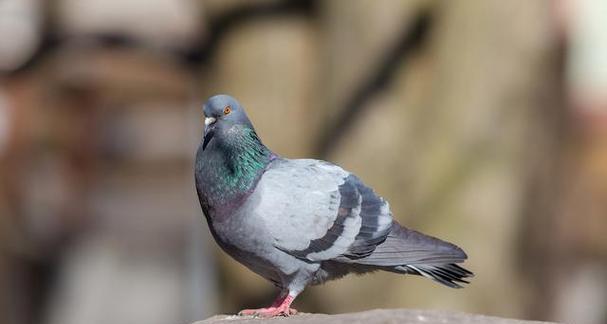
(378, 316)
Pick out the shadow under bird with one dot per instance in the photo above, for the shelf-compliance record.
(302, 222)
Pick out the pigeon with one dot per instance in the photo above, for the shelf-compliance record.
(301, 222)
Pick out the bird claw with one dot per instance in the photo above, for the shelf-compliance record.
(253, 312)
(268, 312)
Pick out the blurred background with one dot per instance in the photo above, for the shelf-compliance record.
(482, 122)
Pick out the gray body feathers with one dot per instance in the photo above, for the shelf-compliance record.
(309, 221)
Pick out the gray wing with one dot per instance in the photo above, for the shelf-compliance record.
(317, 211)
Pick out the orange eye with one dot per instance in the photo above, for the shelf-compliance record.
(227, 110)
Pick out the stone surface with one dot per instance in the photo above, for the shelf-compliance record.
(378, 316)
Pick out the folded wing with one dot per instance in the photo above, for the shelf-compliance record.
(317, 211)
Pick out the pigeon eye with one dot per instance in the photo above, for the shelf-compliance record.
(227, 110)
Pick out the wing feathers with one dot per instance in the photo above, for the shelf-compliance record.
(376, 221)
(360, 221)
(337, 238)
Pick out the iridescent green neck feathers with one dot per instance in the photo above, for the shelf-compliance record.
(228, 169)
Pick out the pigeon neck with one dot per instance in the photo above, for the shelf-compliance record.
(232, 168)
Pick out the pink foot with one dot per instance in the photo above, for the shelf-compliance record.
(268, 312)
(249, 312)
(280, 307)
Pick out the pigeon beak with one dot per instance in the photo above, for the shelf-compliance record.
(209, 120)
(208, 130)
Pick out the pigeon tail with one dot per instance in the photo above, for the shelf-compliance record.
(411, 252)
(450, 275)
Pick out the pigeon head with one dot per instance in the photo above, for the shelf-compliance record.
(224, 118)
(223, 111)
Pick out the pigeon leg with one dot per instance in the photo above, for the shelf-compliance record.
(280, 307)
(280, 298)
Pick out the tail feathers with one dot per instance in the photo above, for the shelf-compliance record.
(405, 246)
(450, 275)
(411, 252)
